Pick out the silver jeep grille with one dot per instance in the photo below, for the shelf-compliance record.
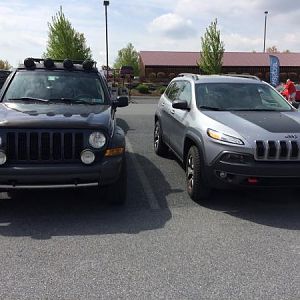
(277, 150)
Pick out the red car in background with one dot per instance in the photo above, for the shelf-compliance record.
(283, 91)
(297, 92)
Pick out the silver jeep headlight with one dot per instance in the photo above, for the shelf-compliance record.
(216, 135)
(97, 140)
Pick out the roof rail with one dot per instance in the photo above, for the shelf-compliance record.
(243, 76)
(194, 76)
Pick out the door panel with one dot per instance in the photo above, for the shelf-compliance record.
(180, 119)
(166, 109)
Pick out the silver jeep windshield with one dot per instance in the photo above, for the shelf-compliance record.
(239, 96)
(56, 86)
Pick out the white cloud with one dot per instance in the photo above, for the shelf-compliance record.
(172, 26)
(237, 42)
(149, 25)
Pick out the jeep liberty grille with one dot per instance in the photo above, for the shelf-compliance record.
(44, 146)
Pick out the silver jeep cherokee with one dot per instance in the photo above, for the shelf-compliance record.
(229, 131)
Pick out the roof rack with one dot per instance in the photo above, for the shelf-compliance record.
(79, 62)
(192, 75)
(243, 76)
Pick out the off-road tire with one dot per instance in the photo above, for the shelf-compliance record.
(197, 188)
(160, 147)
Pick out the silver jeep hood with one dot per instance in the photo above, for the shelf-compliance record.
(259, 124)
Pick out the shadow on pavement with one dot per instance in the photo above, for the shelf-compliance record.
(275, 208)
(43, 214)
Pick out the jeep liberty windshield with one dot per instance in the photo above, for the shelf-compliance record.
(56, 86)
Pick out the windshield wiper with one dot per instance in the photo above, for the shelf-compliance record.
(26, 99)
(209, 107)
(71, 101)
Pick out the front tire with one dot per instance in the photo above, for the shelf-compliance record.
(160, 147)
(197, 188)
(117, 192)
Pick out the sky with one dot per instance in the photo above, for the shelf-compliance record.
(171, 25)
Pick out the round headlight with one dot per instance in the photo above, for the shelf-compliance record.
(48, 63)
(29, 63)
(87, 157)
(68, 64)
(2, 158)
(97, 140)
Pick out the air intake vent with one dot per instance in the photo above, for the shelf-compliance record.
(44, 146)
(277, 150)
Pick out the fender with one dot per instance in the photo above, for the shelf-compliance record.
(118, 138)
(194, 135)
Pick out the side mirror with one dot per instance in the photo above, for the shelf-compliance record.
(180, 104)
(295, 104)
(122, 101)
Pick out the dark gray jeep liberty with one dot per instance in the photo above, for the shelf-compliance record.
(58, 129)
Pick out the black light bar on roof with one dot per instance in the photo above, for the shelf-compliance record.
(49, 63)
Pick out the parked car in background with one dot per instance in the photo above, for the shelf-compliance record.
(283, 91)
(297, 92)
(3, 76)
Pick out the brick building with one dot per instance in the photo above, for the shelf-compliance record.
(167, 64)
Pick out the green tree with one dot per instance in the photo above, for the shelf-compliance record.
(211, 56)
(128, 56)
(272, 49)
(4, 65)
(64, 41)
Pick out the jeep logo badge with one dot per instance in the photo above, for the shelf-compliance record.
(291, 136)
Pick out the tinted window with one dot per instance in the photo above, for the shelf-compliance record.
(56, 85)
(239, 96)
(185, 92)
(173, 90)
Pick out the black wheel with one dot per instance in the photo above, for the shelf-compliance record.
(197, 189)
(160, 147)
(117, 192)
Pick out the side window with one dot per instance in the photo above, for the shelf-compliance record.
(167, 92)
(173, 90)
(185, 92)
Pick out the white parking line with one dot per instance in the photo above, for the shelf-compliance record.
(152, 200)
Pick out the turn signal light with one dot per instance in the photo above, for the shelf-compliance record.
(114, 152)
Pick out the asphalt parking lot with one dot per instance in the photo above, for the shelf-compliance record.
(161, 245)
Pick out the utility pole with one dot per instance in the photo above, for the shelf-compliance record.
(106, 3)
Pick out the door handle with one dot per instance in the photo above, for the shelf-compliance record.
(172, 111)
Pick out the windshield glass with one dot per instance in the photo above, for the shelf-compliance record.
(239, 96)
(56, 86)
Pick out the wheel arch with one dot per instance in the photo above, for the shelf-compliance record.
(191, 139)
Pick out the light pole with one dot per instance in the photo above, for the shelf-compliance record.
(106, 3)
(266, 13)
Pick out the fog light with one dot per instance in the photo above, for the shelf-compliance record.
(87, 157)
(2, 158)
